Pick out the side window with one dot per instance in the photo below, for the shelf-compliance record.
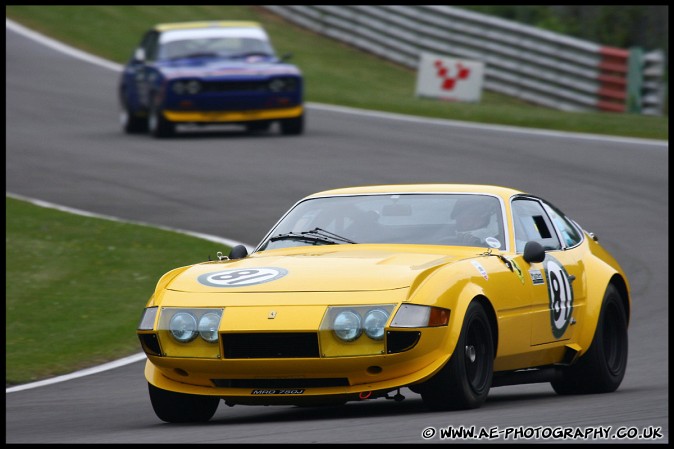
(570, 233)
(531, 222)
(149, 44)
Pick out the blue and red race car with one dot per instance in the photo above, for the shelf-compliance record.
(206, 73)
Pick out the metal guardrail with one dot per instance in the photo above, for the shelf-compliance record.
(526, 62)
(653, 90)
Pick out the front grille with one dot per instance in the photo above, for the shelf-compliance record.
(270, 345)
(281, 383)
(235, 86)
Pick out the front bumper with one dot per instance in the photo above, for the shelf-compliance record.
(233, 116)
(268, 380)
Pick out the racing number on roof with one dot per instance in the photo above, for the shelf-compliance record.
(560, 294)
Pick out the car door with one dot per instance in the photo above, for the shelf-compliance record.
(570, 274)
(555, 280)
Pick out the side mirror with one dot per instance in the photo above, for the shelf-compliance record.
(139, 54)
(533, 252)
(238, 252)
(285, 57)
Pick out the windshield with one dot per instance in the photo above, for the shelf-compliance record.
(426, 219)
(221, 47)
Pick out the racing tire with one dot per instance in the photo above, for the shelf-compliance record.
(158, 125)
(292, 126)
(464, 382)
(130, 123)
(602, 368)
(175, 407)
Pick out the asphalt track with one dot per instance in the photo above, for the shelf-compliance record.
(64, 146)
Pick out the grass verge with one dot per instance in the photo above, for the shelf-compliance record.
(76, 287)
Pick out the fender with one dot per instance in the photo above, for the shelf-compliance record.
(600, 274)
(449, 288)
(163, 282)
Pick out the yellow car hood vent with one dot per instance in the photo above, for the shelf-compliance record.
(319, 270)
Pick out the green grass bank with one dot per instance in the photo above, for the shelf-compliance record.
(76, 286)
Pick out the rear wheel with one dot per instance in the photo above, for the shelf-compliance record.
(179, 407)
(602, 368)
(465, 380)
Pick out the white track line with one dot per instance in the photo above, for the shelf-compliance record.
(85, 372)
(84, 213)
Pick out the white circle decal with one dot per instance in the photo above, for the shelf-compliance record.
(561, 296)
(242, 277)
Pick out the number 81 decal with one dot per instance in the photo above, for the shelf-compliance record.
(560, 294)
(242, 277)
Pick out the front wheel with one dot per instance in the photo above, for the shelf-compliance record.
(291, 126)
(130, 123)
(602, 368)
(158, 125)
(464, 382)
(175, 407)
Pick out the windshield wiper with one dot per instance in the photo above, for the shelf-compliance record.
(315, 236)
(196, 55)
(315, 239)
(250, 53)
(324, 233)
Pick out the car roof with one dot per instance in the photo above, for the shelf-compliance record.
(206, 24)
(208, 30)
(503, 192)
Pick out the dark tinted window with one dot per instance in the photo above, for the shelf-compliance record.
(531, 222)
(149, 44)
(570, 233)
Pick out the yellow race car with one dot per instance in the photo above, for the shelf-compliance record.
(355, 293)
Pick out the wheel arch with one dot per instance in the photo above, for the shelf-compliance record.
(491, 315)
(619, 283)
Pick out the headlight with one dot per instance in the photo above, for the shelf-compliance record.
(374, 323)
(347, 325)
(179, 87)
(412, 315)
(183, 327)
(186, 87)
(208, 327)
(193, 87)
(276, 85)
(186, 332)
(283, 85)
(354, 330)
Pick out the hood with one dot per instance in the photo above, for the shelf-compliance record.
(216, 68)
(318, 270)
